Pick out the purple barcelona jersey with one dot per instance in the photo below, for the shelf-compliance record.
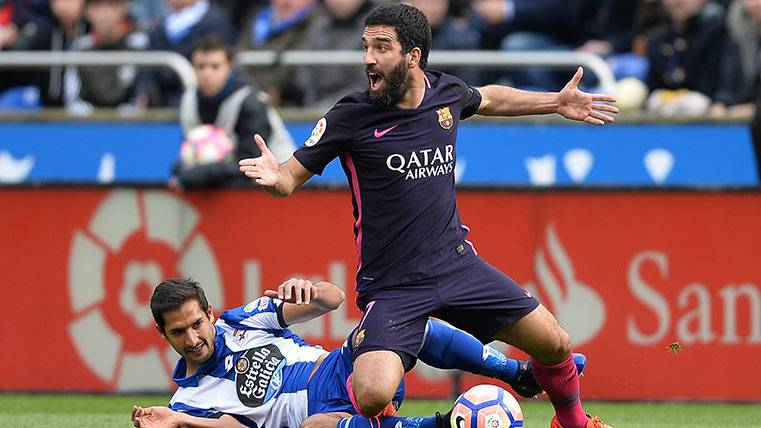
(400, 165)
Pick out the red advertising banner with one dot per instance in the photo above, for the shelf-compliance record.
(660, 290)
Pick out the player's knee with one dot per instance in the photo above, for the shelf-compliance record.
(376, 377)
(562, 347)
(371, 401)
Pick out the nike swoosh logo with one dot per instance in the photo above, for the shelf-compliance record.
(379, 134)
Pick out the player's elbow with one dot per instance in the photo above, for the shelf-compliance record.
(339, 299)
(334, 296)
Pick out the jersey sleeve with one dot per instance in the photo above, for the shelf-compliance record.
(263, 313)
(470, 98)
(198, 412)
(330, 137)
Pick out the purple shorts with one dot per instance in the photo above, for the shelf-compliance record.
(477, 298)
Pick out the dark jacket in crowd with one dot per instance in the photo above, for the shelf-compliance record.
(29, 10)
(457, 33)
(324, 85)
(251, 114)
(43, 35)
(569, 22)
(104, 86)
(700, 58)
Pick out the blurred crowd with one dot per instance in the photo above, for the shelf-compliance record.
(688, 57)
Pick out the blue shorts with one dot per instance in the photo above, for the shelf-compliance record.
(477, 298)
(326, 390)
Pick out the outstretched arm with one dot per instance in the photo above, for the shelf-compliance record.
(570, 102)
(279, 180)
(305, 301)
(163, 417)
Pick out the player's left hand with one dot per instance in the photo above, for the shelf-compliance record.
(294, 290)
(264, 169)
(577, 105)
(154, 417)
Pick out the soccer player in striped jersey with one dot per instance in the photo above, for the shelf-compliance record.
(249, 369)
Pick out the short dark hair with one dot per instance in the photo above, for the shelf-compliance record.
(171, 294)
(212, 42)
(410, 24)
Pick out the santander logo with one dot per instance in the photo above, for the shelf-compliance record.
(576, 305)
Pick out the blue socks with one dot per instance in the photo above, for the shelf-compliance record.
(446, 347)
(358, 421)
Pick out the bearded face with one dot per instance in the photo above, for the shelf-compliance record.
(386, 64)
(387, 88)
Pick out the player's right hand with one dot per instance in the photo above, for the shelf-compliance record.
(155, 417)
(294, 290)
(136, 412)
(264, 169)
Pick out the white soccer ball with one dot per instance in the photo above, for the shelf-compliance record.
(486, 406)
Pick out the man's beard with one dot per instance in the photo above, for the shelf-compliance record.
(396, 84)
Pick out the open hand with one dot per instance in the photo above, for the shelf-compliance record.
(154, 417)
(577, 105)
(263, 169)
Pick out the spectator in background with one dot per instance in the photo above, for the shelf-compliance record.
(451, 30)
(240, 11)
(744, 21)
(14, 14)
(187, 20)
(42, 35)
(600, 27)
(335, 26)
(280, 26)
(692, 54)
(8, 29)
(225, 100)
(104, 86)
(147, 14)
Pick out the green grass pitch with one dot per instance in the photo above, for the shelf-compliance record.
(104, 411)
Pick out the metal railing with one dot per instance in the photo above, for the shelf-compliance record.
(445, 58)
(37, 59)
(483, 59)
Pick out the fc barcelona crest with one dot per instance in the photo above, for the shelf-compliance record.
(445, 117)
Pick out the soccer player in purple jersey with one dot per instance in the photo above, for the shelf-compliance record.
(396, 142)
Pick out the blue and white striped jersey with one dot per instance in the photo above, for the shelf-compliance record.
(258, 373)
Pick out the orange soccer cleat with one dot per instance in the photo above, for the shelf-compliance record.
(390, 410)
(593, 422)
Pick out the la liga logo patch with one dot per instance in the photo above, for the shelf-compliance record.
(445, 117)
(317, 132)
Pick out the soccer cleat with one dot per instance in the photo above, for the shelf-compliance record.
(444, 421)
(389, 410)
(525, 383)
(592, 422)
